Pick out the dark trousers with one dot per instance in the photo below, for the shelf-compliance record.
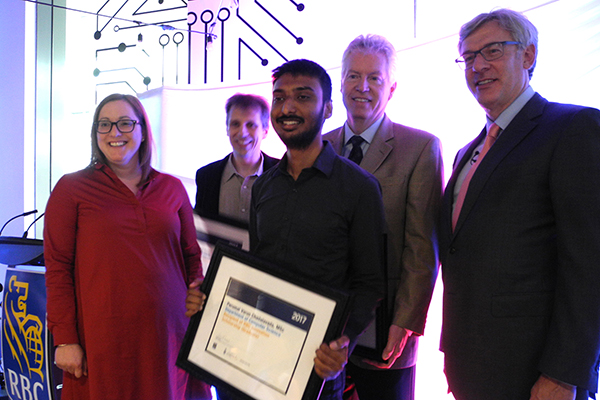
(332, 390)
(383, 384)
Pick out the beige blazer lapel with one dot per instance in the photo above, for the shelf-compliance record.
(336, 138)
(379, 149)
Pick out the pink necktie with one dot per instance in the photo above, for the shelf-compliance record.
(490, 138)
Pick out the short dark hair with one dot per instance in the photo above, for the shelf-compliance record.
(249, 102)
(306, 68)
(515, 23)
(145, 150)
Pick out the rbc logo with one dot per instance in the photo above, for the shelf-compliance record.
(23, 331)
(24, 334)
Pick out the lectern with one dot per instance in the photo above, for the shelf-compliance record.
(27, 349)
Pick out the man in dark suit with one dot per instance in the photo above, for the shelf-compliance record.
(408, 164)
(224, 187)
(521, 316)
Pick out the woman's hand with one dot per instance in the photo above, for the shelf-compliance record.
(71, 358)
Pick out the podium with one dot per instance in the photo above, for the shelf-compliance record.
(27, 348)
(21, 251)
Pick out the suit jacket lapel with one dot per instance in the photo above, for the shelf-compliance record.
(523, 123)
(379, 149)
(213, 190)
(463, 156)
(337, 140)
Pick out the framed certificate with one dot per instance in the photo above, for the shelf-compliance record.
(258, 332)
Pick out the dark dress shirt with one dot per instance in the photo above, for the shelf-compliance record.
(327, 225)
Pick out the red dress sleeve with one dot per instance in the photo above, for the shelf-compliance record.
(189, 244)
(60, 229)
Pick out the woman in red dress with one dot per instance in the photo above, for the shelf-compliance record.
(120, 251)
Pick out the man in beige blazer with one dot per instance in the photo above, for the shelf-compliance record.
(408, 164)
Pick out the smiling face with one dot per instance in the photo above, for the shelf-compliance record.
(496, 84)
(366, 89)
(298, 112)
(120, 149)
(246, 132)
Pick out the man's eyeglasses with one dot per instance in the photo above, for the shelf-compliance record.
(123, 125)
(491, 52)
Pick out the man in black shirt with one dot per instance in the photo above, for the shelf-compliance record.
(318, 214)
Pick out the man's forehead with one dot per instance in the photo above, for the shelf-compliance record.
(296, 83)
(252, 110)
(241, 112)
(355, 61)
(379, 69)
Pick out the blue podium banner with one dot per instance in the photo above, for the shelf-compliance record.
(26, 347)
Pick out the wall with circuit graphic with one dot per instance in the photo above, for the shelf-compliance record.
(138, 45)
(220, 47)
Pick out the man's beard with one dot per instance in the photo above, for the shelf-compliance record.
(304, 139)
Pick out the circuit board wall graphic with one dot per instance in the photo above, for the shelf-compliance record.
(133, 46)
(248, 37)
(131, 39)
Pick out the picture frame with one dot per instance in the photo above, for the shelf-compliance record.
(210, 231)
(372, 342)
(260, 327)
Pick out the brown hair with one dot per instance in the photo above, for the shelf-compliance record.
(249, 102)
